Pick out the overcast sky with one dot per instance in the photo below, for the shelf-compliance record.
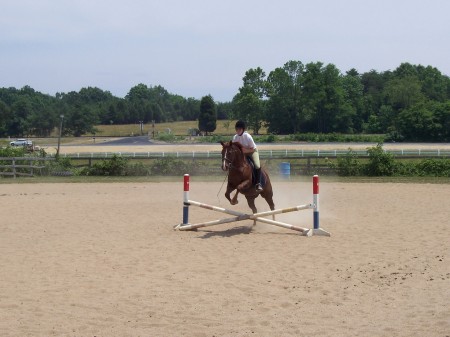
(198, 47)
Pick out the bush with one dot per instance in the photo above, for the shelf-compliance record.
(434, 167)
(335, 137)
(271, 138)
(166, 137)
(393, 136)
(380, 163)
(12, 151)
(169, 166)
(137, 169)
(116, 166)
(347, 165)
(213, 139)
(406, 169)
(60, 166)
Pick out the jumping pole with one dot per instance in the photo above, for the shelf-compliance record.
(239, 216)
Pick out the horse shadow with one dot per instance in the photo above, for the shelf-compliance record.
(241, 230)
(227, 233)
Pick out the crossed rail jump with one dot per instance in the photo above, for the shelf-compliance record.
(239, 216)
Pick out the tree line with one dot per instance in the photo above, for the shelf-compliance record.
(26, 112)
(411, 103)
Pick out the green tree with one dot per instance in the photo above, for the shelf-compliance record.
(336, 112)
(250, 110)
(405, 70)
(426, 121)
(434, 84)
(354, 96)
(191, 109)
(78, 121)
(325, 99)
(20, 110)
(314, 95)
(4, 119)
(285, 109)
(207, 118)
(248, 103)
(42, 122)
(402, 93)
(373, 83)
(93, 95)
(383, 121)
(136, 99)
(224, 110)
(417, 123)
(160, 98)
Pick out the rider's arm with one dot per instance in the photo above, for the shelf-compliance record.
(247, 150)
(251, 146)
(248, 144)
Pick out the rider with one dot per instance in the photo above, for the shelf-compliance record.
(249, 149)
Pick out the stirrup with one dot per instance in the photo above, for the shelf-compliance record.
(258, 187)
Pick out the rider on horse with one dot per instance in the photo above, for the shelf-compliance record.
(249, 149)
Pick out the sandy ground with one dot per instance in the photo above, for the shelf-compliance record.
(102, 259)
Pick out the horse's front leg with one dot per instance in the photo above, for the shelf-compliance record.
(230, 189)
(235, 201)
(246, 184)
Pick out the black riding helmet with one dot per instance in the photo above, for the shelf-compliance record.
(240, 124)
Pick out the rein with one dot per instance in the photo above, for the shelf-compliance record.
(220, 189)
(231, 161)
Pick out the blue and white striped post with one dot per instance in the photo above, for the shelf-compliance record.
(316, 228)
(316, 201)
(186, 200)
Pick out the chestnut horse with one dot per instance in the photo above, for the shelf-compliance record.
(240, 177)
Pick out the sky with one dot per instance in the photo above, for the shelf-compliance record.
(195, 48)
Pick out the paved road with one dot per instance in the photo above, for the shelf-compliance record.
(126, 141)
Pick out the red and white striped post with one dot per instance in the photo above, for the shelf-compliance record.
(316, 228)
(186, 200)
(316, 201)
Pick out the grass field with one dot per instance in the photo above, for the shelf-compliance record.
(223, 127)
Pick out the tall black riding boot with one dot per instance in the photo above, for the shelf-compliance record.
(258, 180)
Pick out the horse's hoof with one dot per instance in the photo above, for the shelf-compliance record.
(234, 202)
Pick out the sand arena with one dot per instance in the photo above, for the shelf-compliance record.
(101, 259)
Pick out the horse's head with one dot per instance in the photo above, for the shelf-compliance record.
(231, 154)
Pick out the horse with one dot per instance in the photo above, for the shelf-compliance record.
(240, 177)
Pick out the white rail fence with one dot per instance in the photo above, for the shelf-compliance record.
(266, 154)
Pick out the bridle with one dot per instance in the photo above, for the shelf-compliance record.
(229, 157)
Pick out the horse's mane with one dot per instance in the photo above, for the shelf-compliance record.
(239, 145)
(231, 144)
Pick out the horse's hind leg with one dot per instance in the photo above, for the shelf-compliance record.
(267, 193)
(271, 205)
(269, 200)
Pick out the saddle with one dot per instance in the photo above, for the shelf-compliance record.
(252, 165)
